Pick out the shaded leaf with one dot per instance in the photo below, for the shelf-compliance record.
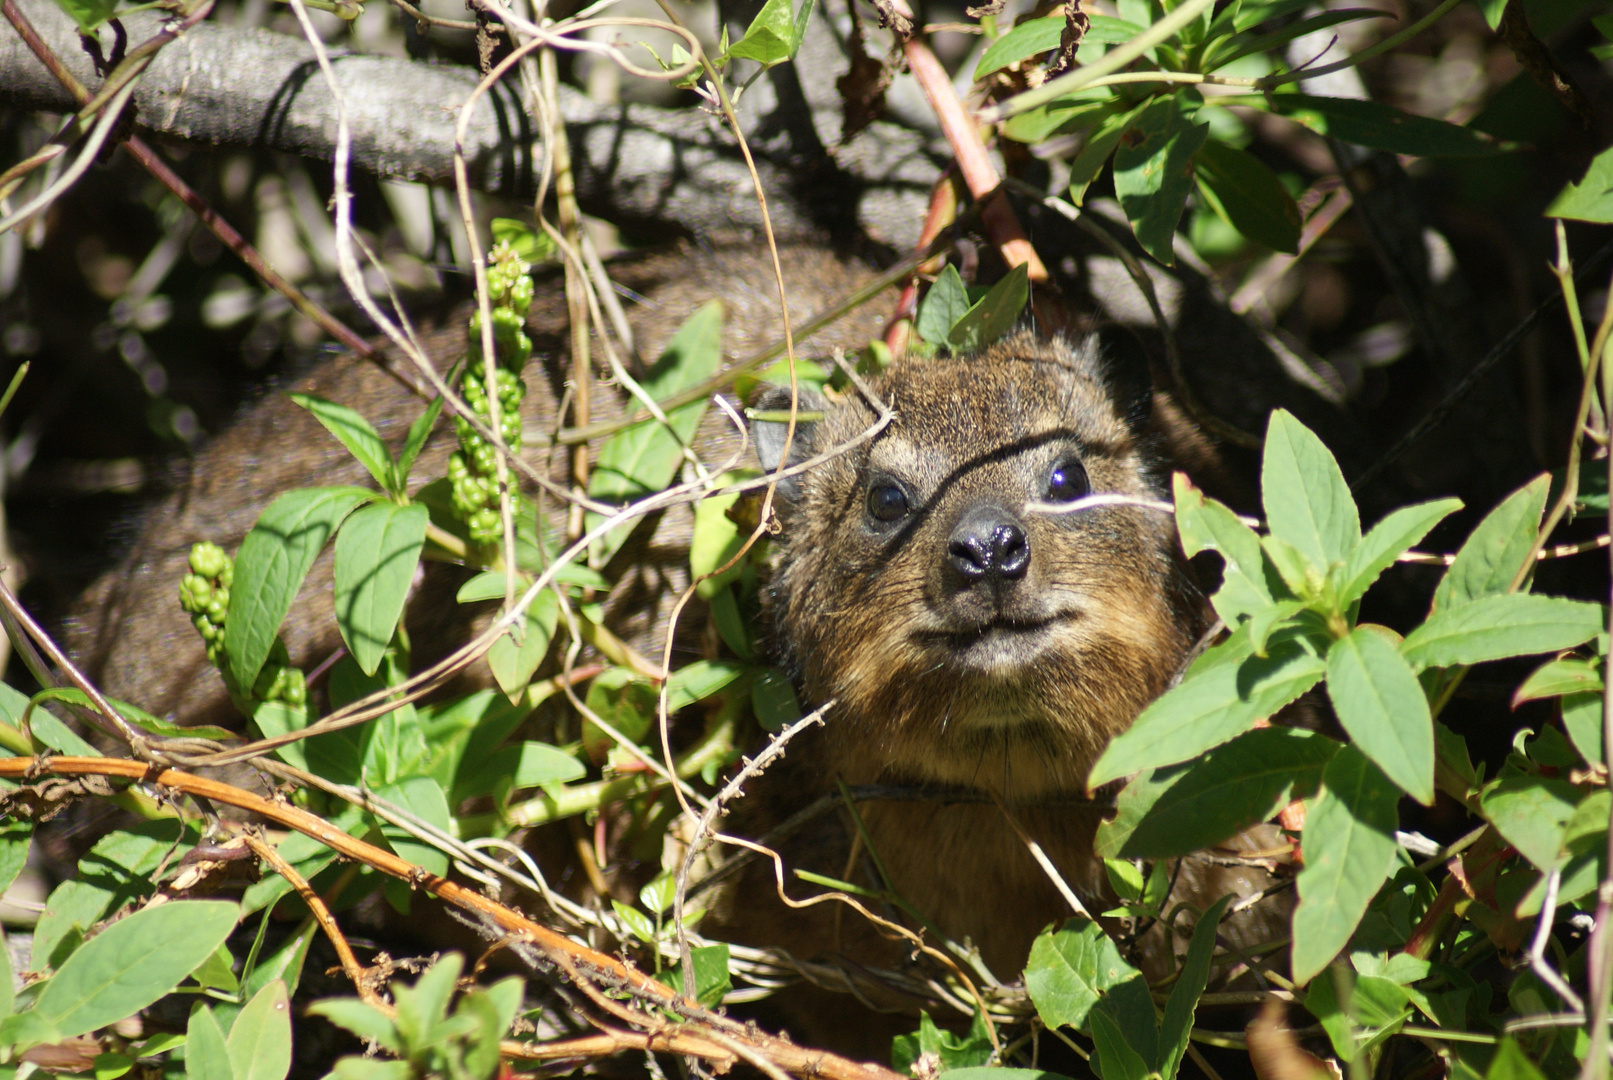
(1232, 787)
(270, 567)
(994, 315)
(1207, 525)
(944, 304)
(1532, 813)
(1349, 845)
(1247, 195)
(1591, 197)
(1154, 173)
(1177, 1023)
(260, 1039)
(205, 1055)
(1379, 126)
(1209, 707)
(514, 662)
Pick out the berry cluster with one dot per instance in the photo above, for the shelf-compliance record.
(471, 469)
(205, 594)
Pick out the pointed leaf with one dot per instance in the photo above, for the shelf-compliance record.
(1496, 627)
(377, 552)
(1496, 550)
(1381, 704)
(1349, 845)
(1591, 197)
(1115, 1059)
(514, 662)
(1154, 173)
(646, 457)
(944, 304)
(269, 569)
(205, 1055)
(994, 315)
(1232, 787)
(1388, 540)
(1531, 812)
(1381, 127)
(415, 441)
(1070, 969)
(132, 963)
(1177, 1023)
(1209, 707)
(1248, 195)
(1089, 162)
(1307, 502)
(1207, 525)
(355, 433)
(260, 1039)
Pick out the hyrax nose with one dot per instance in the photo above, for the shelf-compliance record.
(989, 545)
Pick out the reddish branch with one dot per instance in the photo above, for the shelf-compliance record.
(699, 1033)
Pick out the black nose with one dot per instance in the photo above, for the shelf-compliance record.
(989, 544)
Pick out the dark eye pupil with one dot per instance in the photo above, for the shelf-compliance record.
(886, 502)
(1068, 482)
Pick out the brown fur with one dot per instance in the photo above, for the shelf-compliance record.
(936, 681)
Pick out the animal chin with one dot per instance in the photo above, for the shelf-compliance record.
(1000, 648)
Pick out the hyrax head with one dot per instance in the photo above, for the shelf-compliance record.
(964, 636)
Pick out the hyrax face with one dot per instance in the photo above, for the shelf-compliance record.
(963, 636)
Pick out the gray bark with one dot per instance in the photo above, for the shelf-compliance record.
(225, 85)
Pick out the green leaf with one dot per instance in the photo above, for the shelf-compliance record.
(1208, 708)
(998, 1072)
(514, 662)
(943, 305)
(1088, 163)
(1129, 1008)
(1154, 173)
(1591, 197)
(1207, 525)
(1115, 1059)
(636, 921)
(1379, 126)
(357, 434)
(646, 457)
(1558, 677)
(89, 14)
(1381, 704)
(365, 1021)
(699, 680)
(1496, 549)
(773, 700)
(536, 764)
(377, 552)
(1080, 111)
(260, 1039)
(1232, 787)
(1510, 1063)
(994, 315)
(963, 1054)
(1349, 845)
(774, 35)
(1030, 38)
(711, 980)
(1247, 195)
(269, 569)
(132, 963)
(1496, 627)
(1244, 45)
(1388, 540)
(1177, 1023)
(1582, 716)
(205, 1055)
(1036, 36)
(1307, 502)
(424, 798)
(1531, 812)
(15, 836)
(1069, 970)
(415, 441)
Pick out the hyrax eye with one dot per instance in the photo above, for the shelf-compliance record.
(887, 502)
(1067, 482)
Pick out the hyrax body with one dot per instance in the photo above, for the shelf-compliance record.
(963, 640)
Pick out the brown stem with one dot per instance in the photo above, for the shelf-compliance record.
(594, 972)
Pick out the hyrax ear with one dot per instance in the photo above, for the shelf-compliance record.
(1123, 364)
(770, 425)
